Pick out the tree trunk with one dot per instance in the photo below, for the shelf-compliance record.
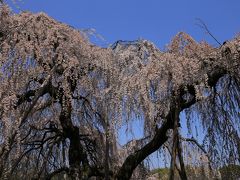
(132, 161)
(182, 173)
(77, 157)
(174, 144)
(107, 154)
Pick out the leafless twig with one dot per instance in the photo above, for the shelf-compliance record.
(202, 25)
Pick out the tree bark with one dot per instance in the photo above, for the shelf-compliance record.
(77, 157)
(182, 173)
(136, 158)
(107, 154)
(174, 144)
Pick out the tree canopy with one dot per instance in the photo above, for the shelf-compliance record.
(63, 99)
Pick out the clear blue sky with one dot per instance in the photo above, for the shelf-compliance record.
(155, 20)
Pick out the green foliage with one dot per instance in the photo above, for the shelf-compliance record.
(230, 172)
(162, 172)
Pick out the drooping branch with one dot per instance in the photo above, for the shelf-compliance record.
(38, 94)
(160, 137)
(137, 157)
(158, 140)
(127, 63)
(194, 141)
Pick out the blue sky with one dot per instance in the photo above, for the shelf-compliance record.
(155, 20)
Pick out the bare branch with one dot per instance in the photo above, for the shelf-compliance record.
(202, 25)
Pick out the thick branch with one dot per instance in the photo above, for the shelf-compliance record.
(58, 171)
(160, 137)
(136, 158)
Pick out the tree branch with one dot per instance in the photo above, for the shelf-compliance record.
(160, 137)
(54, 173)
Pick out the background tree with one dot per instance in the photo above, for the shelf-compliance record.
(63, 100)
